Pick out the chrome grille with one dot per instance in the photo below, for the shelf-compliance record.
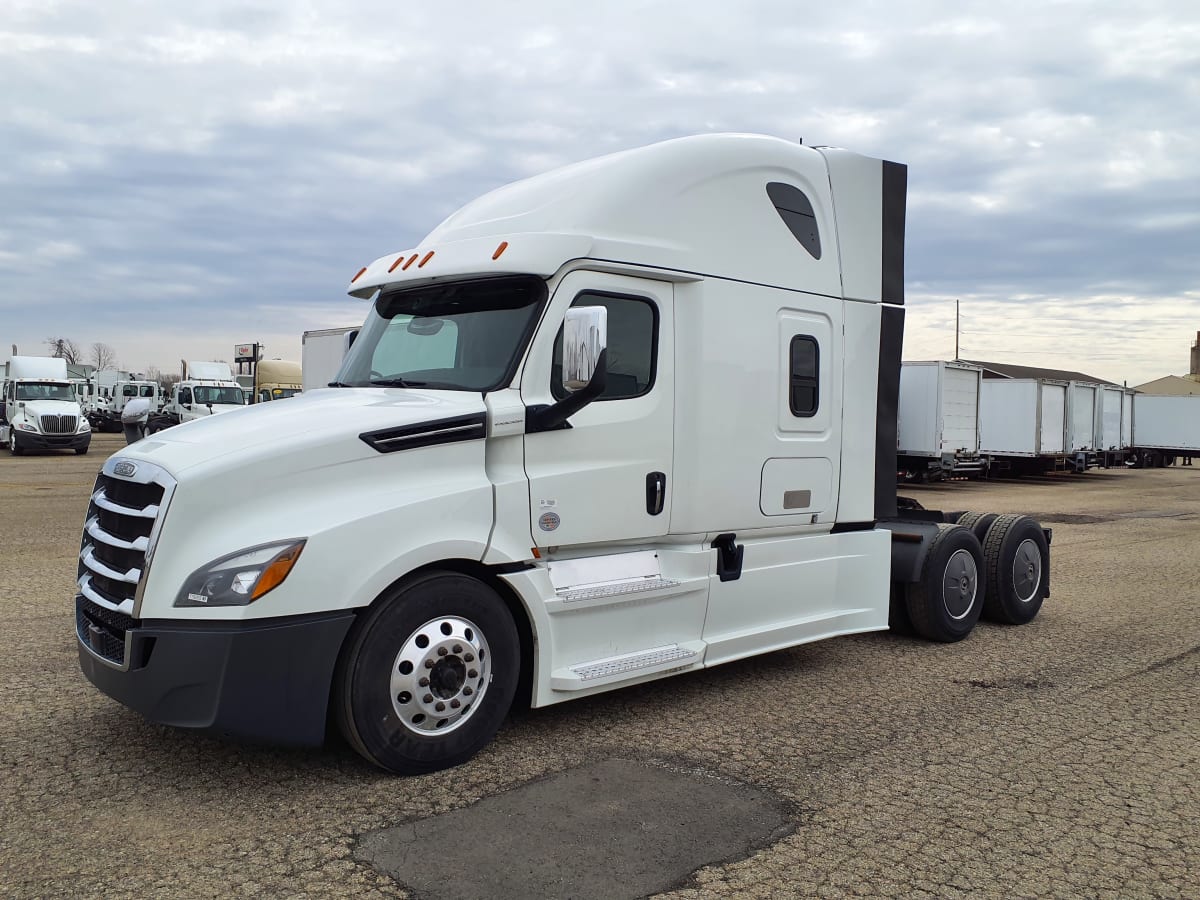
(59, 424)
(118, 534)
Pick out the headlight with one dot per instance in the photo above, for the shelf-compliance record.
(84, 425)
(240, 578)
(25, 426)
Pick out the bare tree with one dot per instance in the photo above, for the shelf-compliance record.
(65, 348)
(103, 356)
(165, 379)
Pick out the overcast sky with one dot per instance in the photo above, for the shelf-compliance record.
(178, 178)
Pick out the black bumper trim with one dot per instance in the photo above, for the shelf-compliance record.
(266, 681)
(27, 440)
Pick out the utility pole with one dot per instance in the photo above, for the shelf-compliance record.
(956, 330)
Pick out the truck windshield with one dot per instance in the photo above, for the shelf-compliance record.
(209, 394)
(465, 336)
(44, 390)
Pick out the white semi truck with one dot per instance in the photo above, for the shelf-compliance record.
(207, 388)
(628, 419)
(40, 408)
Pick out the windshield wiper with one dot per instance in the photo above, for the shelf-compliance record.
(338, 384)
(397, 382)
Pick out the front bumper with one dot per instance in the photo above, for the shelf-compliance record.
(263, 681)
(28, 440)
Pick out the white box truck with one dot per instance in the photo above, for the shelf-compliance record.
(1083, 401)
(322, 352)
(40, 408)
(938, 428)
(1111, 445)
(629, 419)
(1023, 424)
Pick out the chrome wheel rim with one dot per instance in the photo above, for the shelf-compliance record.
(960, 584)
(440, 675)
(1027, 570)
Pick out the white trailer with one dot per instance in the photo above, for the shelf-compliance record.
(1083, 401)
(1022, 424)
(633, 418)
(322, 352)
(938, 428)
(1110, 442)
(1165, 428)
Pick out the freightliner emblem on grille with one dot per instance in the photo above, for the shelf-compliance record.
(124, 469)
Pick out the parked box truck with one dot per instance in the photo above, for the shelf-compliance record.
(322, 353)
(629, 419)
(938, 427)
(1165, 428)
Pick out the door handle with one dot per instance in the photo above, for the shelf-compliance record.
(656, 492)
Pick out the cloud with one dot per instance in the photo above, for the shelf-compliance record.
(189, 177)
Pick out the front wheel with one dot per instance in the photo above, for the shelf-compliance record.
(428, 675)
(80, 451)
(13, 447)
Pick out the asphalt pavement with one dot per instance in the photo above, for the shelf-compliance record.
(1058, 759)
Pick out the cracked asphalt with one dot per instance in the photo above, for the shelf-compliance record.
(1060, 759)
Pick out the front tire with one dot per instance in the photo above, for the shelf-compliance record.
(945, 603)
(13, 447)
(428, 675)
(1017, 559)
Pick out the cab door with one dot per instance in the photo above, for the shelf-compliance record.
(607, 477)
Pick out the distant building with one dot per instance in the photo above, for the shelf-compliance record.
(1005, 370)
(1177, 385)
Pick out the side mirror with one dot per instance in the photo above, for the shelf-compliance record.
(585, 369)
(585, 336)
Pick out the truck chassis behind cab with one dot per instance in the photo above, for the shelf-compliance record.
(628, 419)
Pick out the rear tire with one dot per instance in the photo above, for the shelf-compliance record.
(428, 674)
(1017, 559)
(945, 603)
(979, 523)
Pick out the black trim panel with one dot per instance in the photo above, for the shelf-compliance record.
(256, 680)
(843, 527)
(472, 427)
(895, 191)
(887, 403)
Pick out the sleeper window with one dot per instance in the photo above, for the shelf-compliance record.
(804, 360)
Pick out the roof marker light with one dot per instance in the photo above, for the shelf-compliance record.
(359, 275)
(428, 256)
(399, 259)
(503, 246)
(412, 259)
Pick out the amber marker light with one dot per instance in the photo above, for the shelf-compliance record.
(428, 257)
(536, 553)
(412, 259)
(278, 570)
(359, 275)
(503, 246)
(392, 267)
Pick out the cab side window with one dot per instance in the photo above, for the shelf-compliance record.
(185, 395)
(632, 356)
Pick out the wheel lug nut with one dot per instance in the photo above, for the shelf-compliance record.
(454, 704)
(467, 692)
(440, 706)
(429, 663)
(428, 698)
(458, 648)
(424, 682)
(472, 674)
(470, 657)
(441, 651)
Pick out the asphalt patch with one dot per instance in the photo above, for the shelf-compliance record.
(609, 830)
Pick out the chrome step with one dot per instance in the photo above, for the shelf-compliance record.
(630, 665)
(616, 589)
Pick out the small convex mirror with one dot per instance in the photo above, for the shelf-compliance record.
(585, 334)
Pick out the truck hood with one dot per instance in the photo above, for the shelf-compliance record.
(51, 407)
(311, 430)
